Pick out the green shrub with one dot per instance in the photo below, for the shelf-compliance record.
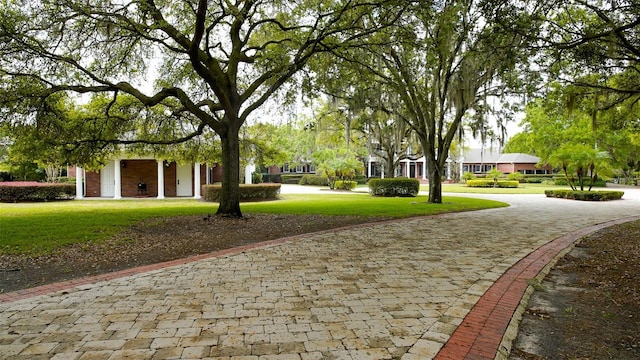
(394, 187)
(535, 180)
(585, 195)
(345, 185)
(315, 180)
(538, 179)
(256, 177)
(18, 192)
(248, 192)
(361, 179)
(515, 176)
(272, 178)
(489, 183)
(468, 176)
(291, 178)
(562, 181)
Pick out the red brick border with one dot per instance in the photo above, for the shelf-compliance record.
(483, 330)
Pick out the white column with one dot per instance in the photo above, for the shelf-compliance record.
(117, 179)
(424, 168)
(160, 179)
(248, 173)
(79, 183)
(369, 168)
(196, 181)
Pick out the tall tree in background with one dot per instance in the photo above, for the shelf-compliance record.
(438, 61)
(214, 62)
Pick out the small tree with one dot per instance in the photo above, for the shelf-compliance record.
(467, 175)
(336, 165)
(494, 174)
(580, 164)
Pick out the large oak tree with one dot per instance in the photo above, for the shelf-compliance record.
(214, 63)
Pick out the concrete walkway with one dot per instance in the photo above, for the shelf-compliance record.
(394, 290)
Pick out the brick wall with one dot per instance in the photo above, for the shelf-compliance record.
(134, 172)
(92, 184)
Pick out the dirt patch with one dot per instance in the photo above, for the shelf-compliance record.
(588, 306)
(159, 240)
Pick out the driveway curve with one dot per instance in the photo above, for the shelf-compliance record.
(393, 290)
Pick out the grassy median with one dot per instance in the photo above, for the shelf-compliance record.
(40, 228)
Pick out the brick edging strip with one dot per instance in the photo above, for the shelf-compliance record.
(492, 324)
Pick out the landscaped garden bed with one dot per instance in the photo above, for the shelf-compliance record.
(585, 195)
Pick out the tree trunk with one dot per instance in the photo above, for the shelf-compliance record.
(435, 182)
(390, 169)
(230, 196)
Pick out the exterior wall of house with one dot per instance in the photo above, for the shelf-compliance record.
(92, 184)
(134, 172)
(415, 170)
(216, 173)
(525, 168)
(169, 179)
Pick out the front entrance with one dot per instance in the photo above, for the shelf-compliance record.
(184, 182)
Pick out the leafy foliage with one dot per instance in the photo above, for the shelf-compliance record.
(204, 65)
(336, 166)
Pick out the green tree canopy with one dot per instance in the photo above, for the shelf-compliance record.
(213, 63)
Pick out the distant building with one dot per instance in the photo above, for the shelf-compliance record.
(477, 161)
(144, 177)
(480, 161)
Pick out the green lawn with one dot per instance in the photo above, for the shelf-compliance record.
(40, 228)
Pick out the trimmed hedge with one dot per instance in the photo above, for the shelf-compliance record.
(345, 185)
(562, 181)
(585, 195)
(394, 187)
(291, 178)
(253, 192)
(361, 179)
(313, 180)
(271, 178)
(489, 183)
(33, 191)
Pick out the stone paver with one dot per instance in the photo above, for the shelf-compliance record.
(395, 290)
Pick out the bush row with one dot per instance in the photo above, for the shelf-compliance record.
(562, 181)
(14, 192)
(313, 180)
(585, 195)
(490, 183)
(255, 192)
(394, 187)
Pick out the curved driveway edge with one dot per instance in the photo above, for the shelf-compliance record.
(393, 290)
(489, 329)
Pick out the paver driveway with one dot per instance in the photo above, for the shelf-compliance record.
(395, 290)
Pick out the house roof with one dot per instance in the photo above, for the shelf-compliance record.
(481, 156)
(489, 156)
(518, 158)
